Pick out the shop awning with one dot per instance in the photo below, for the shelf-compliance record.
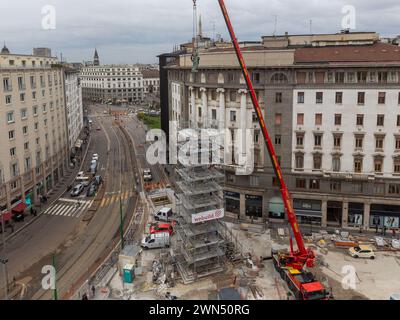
(6, 216)
(308, 213)
(19, 208)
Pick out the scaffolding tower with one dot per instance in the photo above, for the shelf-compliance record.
(200, 247)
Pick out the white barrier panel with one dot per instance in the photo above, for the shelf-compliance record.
(208, 215)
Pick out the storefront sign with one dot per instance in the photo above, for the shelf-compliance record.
(208, 215)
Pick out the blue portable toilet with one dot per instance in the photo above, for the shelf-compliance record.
(129, 273)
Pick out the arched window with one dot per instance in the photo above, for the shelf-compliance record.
(278, 78)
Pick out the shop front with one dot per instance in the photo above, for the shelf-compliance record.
(384, 216)
(254, 206)
(276, 209)
(356, 214)
(232, 202)
(308, 211)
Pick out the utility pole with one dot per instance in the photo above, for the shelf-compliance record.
(55, 277)
(6, 288)
(121, 227)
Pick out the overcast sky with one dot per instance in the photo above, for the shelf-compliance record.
(130, 31)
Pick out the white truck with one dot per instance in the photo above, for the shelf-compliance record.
(163, 214)
(156, 240)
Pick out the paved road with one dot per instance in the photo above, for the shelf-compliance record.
(79, 245)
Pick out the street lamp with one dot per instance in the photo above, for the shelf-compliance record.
(4, 261)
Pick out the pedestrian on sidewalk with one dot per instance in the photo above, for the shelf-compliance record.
(93, 291)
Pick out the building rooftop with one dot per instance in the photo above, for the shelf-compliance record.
(150, 73)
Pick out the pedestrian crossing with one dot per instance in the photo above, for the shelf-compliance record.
(111, 198)
(68, 208)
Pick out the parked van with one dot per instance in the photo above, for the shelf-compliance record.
(157, 240)
(164, 214)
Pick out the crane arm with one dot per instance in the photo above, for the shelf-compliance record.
(303, 255)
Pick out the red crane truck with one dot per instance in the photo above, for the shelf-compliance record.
(291, 264)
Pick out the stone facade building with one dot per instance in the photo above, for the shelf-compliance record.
(331, 104)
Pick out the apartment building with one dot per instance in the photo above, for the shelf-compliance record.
(332, 106)
(112, 82)
(74, 108)
(151, 81)
(33, 131)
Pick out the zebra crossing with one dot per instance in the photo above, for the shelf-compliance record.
(68, 208)
(112, 197)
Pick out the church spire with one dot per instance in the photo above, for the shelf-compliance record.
(96, 60)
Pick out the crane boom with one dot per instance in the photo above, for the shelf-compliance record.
(303, 255)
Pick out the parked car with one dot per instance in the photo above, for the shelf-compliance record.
(95, 157)
(161, 227)
(83, 180)
(362, 251)
(91, 191)
(93, 168)
(98, 180)
(157, 240)
(164, 214)
(77, 190)
(98, 129)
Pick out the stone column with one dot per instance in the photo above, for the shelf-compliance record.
(204, 112)
(194, 108)
(367, 212)
(324, 210)
(345, 214)
(243, 118)
(222, 115)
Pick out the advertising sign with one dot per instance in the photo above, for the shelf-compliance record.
(208, 215)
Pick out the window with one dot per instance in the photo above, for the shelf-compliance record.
(10, 117)
(378, 162)
(254, 117)
(394, 188)
(317, 140)
(398, 120)
(256, 77)
(44, 108)
(359, 142)
(278, 97)
(301, 183)
(361, 98)
(336, 164)
(300, 97)
(338, 119)
(339, 98)
(21, 84)
(358, 165)
(398, 99)
(24, 114)
(278, 139)
(396, 165)
(299, 161)
(11, 134)
(397, 142)
(379, 188)
(358, 187)
(337, 141)
(26, 145)
(214, 114)
(22, 97)
(232, 95)
(339, 77)
(13, 152)
(360, 120)
(300, 119)
(314, 184)
(25, 129)
(379, 141)
(300, 139)
(318, 119)
(34, 95)
(36, 125)
(8, 99)
(319, 97)
(380, 120)
(335, 186)
(7, 84)
(35, 110)
(232, 116)
(317, 162)
(278, 119)
(362, 76)
(382, 97)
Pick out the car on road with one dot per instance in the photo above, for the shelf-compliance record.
(83, 180)
(91, 191)
(147, 175)
(77, 190)
(98, 129)
(362, 251)
(98, 180)
(161, 227)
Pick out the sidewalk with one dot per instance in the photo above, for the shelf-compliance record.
(52, 196)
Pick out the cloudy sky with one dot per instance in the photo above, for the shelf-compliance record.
(130, 31)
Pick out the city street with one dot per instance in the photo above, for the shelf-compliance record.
(80, 245)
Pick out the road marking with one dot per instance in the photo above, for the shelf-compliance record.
(69, 209)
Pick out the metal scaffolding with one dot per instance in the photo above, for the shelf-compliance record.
(200, 248)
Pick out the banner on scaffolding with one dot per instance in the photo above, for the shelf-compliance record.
(208, 215)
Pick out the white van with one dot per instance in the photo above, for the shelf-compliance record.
(156, 240)
(163, 215)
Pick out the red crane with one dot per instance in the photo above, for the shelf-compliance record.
(302, 256)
